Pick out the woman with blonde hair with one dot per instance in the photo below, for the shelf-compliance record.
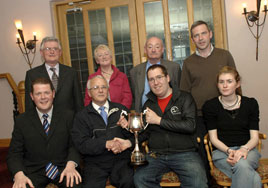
(233, 126)
(119, 89)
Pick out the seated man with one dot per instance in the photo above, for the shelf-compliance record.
(41, 151)
(171, 134)
(101, 141)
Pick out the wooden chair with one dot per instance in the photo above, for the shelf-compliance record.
(224, 181)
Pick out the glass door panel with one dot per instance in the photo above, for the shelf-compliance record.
(154, 21)
(77, 46)
(98, 31)
(203, 11)
(179, 30)
(121, 37)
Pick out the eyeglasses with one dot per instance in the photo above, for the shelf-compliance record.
(51, 49)
(157, 78)
(95, 88)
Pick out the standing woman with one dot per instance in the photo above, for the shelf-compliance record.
(119, 90)
(233, 126)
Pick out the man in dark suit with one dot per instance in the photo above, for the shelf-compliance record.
(64, 78)
(154, 49)
(41, 149)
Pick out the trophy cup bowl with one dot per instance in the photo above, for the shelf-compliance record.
(135, 125)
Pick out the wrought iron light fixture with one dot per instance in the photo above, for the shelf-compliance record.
(26, 48)
(253, 18)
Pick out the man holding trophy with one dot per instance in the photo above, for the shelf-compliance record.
(102, 143)
(171, 137)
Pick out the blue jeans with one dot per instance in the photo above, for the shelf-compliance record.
(187, 165)
(243, 174)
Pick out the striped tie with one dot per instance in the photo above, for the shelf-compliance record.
(52, 171)
(45, 123)
(54, 78)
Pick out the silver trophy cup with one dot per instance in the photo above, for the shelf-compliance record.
(135, 125)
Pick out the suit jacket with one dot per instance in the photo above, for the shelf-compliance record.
(68, 94)
(137, 80)
(31, 149)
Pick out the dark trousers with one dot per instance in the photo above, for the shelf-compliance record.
(118, 171)
(201, 132)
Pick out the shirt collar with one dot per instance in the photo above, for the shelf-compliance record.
(211, 50)
(96, 107)
(49, 113)
(56, 67)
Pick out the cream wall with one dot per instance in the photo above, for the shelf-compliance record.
(243, 47)
(36, 16)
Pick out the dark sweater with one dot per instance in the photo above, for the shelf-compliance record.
(199, 75)
(232, 131)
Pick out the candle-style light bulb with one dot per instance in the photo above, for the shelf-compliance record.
(18, 24)
(18, 38)
(245, 8)
(34, 34)
(265, 5)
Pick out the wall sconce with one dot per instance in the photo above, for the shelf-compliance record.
(253, 18)
(26, 48)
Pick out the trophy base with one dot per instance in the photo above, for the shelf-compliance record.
(140, 163)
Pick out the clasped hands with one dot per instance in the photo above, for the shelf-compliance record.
(117, 145)
(235, 155)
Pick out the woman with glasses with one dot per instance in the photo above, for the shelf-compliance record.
(119, 89)
(233, 126)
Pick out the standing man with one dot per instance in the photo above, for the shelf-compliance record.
(101, 141)
(171, 135)
(41, 150)
(64, 78)
(199, 73)
(154, 49)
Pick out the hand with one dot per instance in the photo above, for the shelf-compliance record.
(113, 146)
(123, 122)
(152, 117)
(230, 158)
(124, 144)
(20, 181)
(71, 174)
(242, 152)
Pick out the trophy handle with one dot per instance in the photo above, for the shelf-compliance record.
(143, 113)
(128, 115)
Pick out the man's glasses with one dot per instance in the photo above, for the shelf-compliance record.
(51, 49)
(157, 78)
(95, 88)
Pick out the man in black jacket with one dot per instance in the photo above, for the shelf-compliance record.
(101, 141)
(171, 134)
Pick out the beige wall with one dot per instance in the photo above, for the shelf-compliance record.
(243, 47)
(36, 16)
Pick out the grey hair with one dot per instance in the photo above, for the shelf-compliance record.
(48, 39)
(97, 76)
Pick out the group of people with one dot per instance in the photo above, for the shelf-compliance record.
(56, 131)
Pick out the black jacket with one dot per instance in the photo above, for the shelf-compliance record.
(90, 133)
(177, 130)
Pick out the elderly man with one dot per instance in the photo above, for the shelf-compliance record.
(154, 49)
(64, 78)
(171, 134)
(41, 150)
(101, 141)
